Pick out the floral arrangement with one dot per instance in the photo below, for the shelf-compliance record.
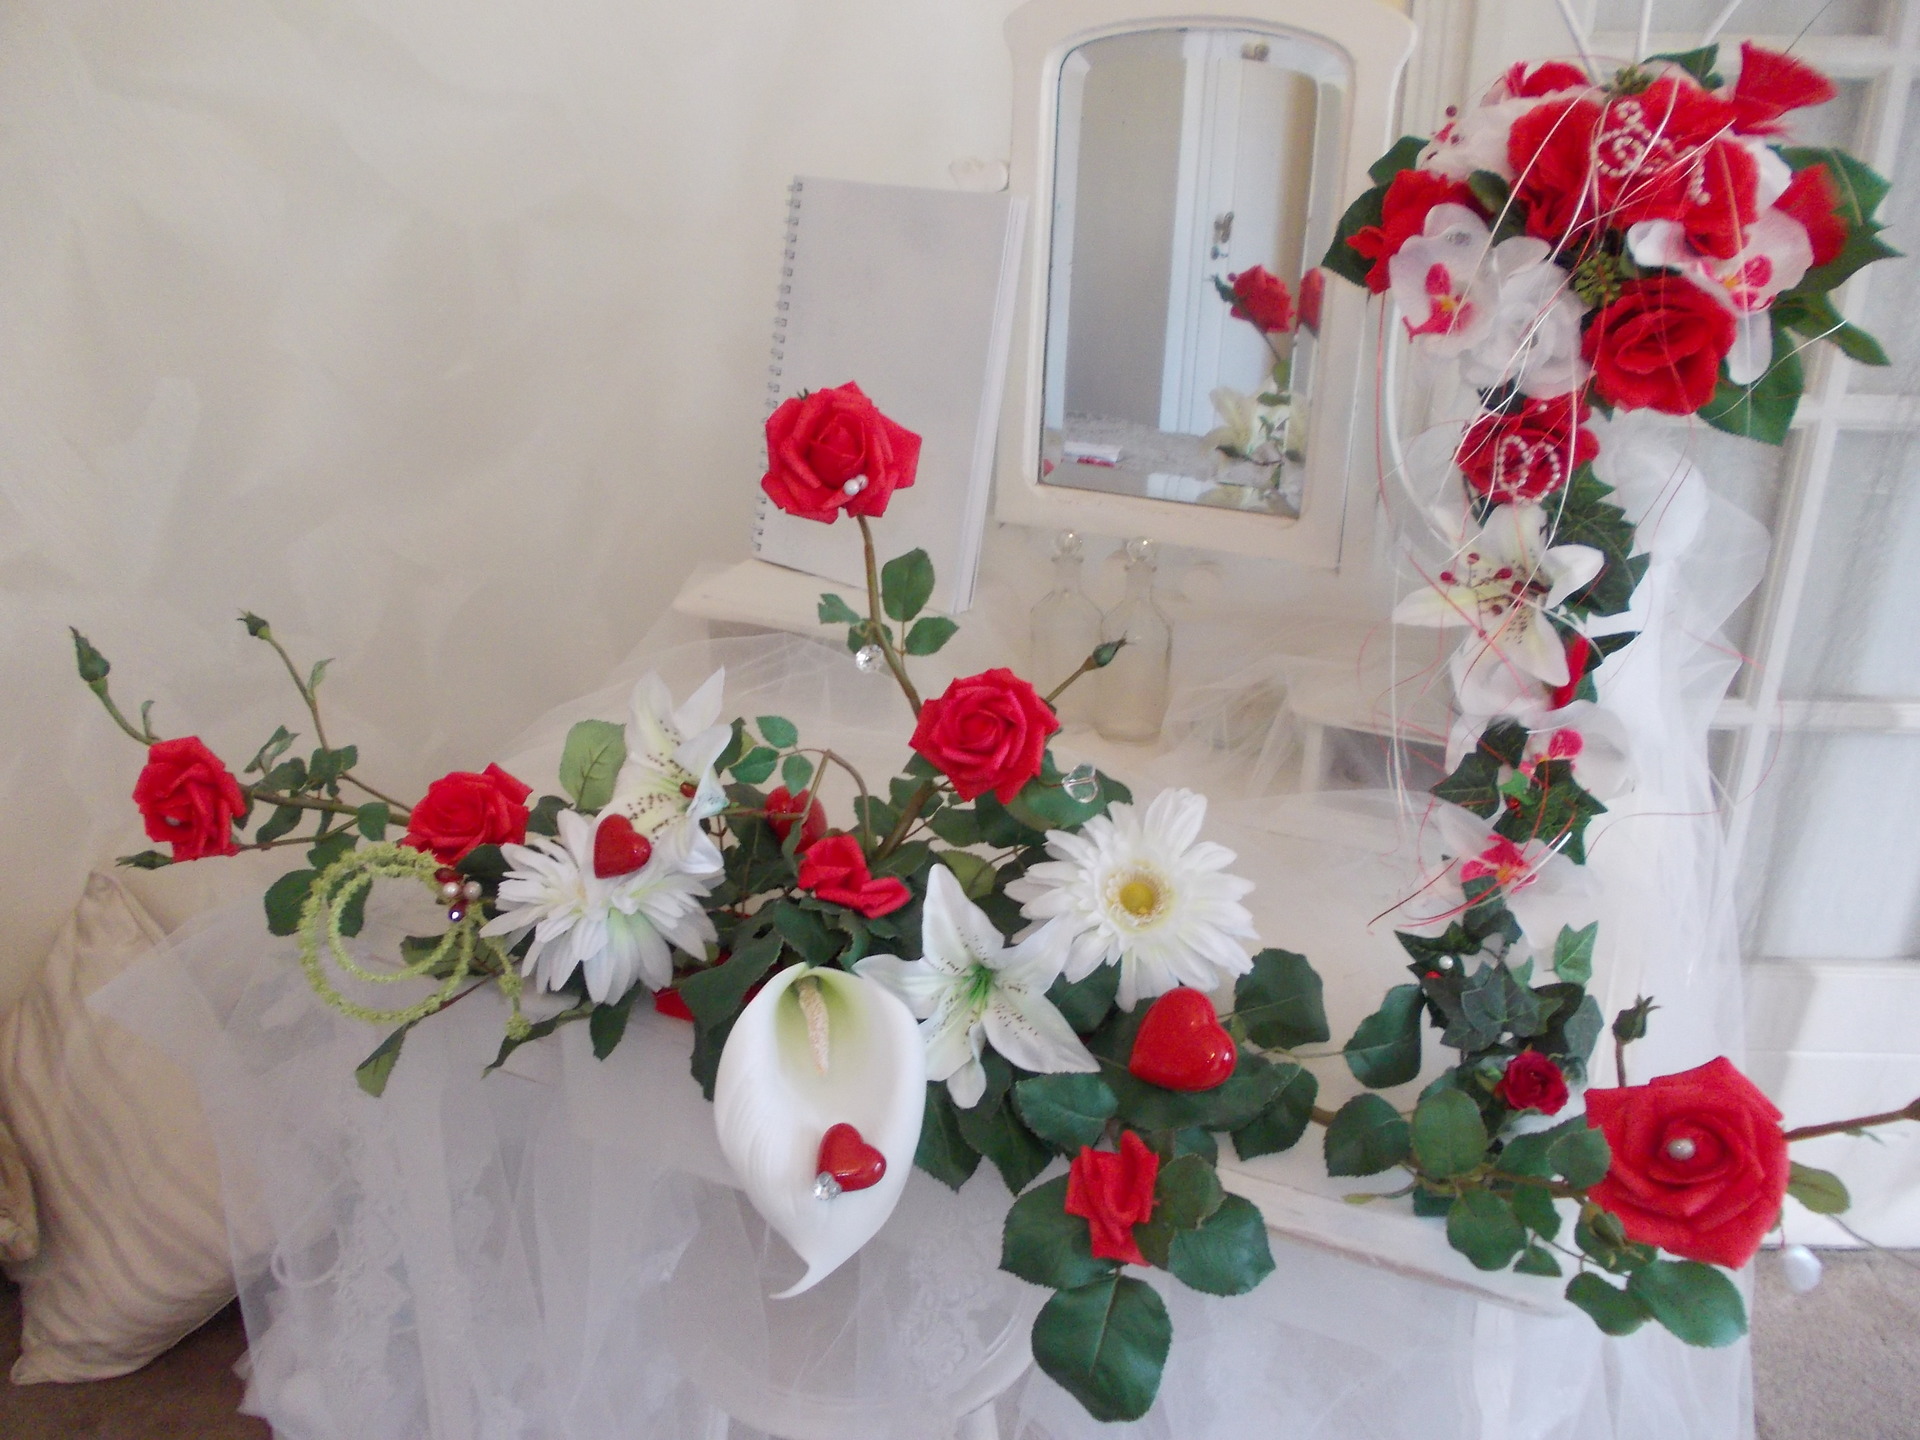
(986, 957)
(1262, 429)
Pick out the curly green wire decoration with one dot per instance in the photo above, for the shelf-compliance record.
(350, 877)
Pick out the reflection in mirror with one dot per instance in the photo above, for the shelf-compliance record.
(1185, 157)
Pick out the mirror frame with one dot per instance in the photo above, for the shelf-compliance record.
(1336, 503)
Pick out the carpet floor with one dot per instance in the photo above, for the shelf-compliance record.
(1840, 1363)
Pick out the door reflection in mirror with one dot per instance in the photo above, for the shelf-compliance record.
(1185, 157)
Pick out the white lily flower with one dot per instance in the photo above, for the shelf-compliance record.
(668, 773)
(1140, 889)
(970, 990)
(616, 930)
(1248, 429)
(1502, 581)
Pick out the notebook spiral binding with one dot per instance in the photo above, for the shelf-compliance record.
(777, 350)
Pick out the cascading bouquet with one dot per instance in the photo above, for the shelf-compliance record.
(991, 958)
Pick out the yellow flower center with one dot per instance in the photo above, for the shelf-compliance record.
(1140, 893)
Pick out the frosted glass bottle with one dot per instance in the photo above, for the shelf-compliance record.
(1132, 692)
(1066, 628)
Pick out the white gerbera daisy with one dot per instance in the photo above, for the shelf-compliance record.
(1141, 889)
(668, 773)
(615, 930)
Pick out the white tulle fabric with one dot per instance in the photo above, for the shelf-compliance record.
(555, 1250)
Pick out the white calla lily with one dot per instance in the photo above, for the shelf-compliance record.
(786, 1078)
(970, 989)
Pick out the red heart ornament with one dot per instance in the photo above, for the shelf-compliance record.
(1181, 1045)
(619, 849)
(849, 1159)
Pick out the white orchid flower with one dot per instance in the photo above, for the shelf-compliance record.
(1440, 280)
(668, 773)
(970, 989)
(814, 1049)
(1592, 737)
(1542, 888)
(616, 930)
(1501, 582)
(1777, 255)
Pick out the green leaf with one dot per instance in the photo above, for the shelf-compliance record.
(371, 1074)
(284, 820)
(805, 931)
(330, 847)
(1404, 155)
(1448, 1136)
(373, 819)
(353, 911)
(284, 899)
(1228, 1255)
(906, 584)
(1696, 1302)
(1044, 1245)
(1280, 1003)
(595, 751)
(277, 745)
(928, 635)
(1573, 953)
(608, 1022)
(287, 778)
(1066, 1111)
(715, 995)
(146, 860)
(1385, 1048)
(1820, 1191)
(1105, 1344)
(484, 863)
(1284, 1120)
(992, 1128)
(944, 1152)
(1483, 1227)
(1580, 1157)
(836, 611)
(1341, 258)
(1583, 515)
(778, 731)
(1474, 785)
(974, 872)
(959, 826)
(1761, 411)
(1534, 1205)
(736, 746)
(1365, 1137)
(539, 1030)
(1536, 1261)
(756, 765)
(795, 772)
(1697, 63)
(316, 675)
(544, 818)
(1087, 1001)
(1611, 1308)
(1814, 315)
(1186, 1193)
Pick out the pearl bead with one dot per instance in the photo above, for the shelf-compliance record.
(450, 891)
(854, 486)
(1444, 963)
(1682, 1149)
(472, 890)
(1801, 1267)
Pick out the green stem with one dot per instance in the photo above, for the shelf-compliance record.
(1087, 666)
(99, 687)
(876, 627)
(401, 811)
(915, 803)
(1841, 1127)
(298, 802)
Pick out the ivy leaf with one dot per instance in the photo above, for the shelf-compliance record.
(1044, 1245)
(1105, 1344)
(1404, 155)
(1696, 1302)
(836, 611)
(1280, 1001)
(1474, 785)
(778, 731)
(1820, 1191)
(372, 1073)
(1582, 515)
(1228, 1254)
(594, 752)
(929, 634)
(1761, 411)
(1573, 953)
(1483, 1227)
(1066, 1111)
(1611, 1308)
(1365, 1137)
(906, 584)
(1385, 1048)
(1449, 1138)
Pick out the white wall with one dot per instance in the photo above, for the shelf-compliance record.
(432, 331)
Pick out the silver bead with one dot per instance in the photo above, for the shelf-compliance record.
(854, 486)
(825, 1187)
(450, 891)
(1682, 1149)
(1801, 1267)
(472, 890)
(1444, 963)
(1082, 783)
(869, 658)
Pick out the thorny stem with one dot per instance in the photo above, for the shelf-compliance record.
(298, 802)
(876, 628)
(401, 811)
(1840, 1127)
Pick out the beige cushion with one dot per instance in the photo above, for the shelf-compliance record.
(19, 1225)
(133, 1250)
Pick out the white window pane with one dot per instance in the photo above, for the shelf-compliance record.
(1855, 634)
(1892, 312)
(1842, 121)
(1756, 17)
(1832, 870)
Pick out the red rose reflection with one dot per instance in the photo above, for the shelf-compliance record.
(189, 799)
(1262, 299)
(1526, 453)
(463, 811)
(835, 869)
(832, 450)
(1699, 1162)
(1113, 1192)
(1533, 1082)
(1659, 346)
(1313, 297)
(986, 732)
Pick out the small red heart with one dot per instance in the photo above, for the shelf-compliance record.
(619, 849)
(845, 1155)
(1181, 1045)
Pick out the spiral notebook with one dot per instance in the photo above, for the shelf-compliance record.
(909, 293)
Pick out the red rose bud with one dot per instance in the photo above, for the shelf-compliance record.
(784, 809)
(189, 799)
(1813, 199)
(833, 450)
(1313, 297)
(1113, 1192)
(1533, 1082)
(1699, 1162)
(1659, 346)
(463, 811)
(1770, 85)
(1262, 299)
(835, 869)
(1526, 453)
(986, 732)
(1403, 215)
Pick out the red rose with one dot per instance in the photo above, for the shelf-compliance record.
(832, 450)
(1547, 78)
(1579, 653)
(1112, 1190)
(1313, 295)
(1262, 299)
(1533, 1082)
(1526, 453)
(1550, 148)
(986, 732)
(1403, 215)
(1770, 85)
(784, 809)
(464, 811)
(1659, 346)
(835, 869)
(189, 799)
(1699, 1162)
(1814, 200)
